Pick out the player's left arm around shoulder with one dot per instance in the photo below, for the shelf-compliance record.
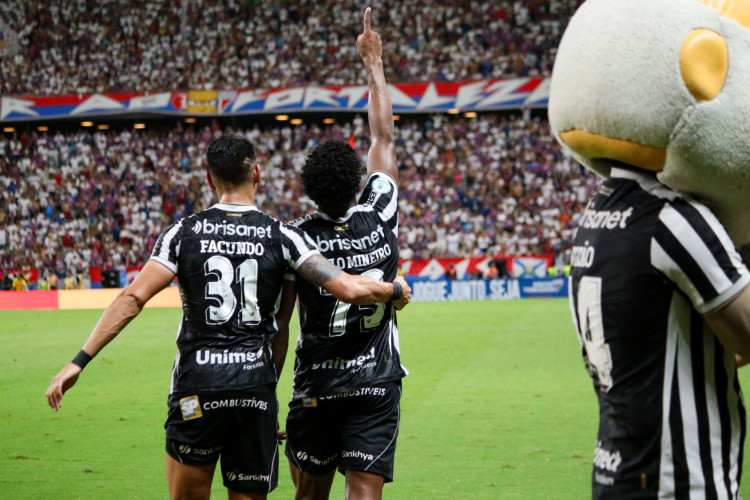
(352, 288)
(127, 305)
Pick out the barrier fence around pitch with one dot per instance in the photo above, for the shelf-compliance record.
(423, 290)
(78, 299)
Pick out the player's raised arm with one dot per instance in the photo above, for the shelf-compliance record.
(352, 288)
(382, 154)
(127, 305)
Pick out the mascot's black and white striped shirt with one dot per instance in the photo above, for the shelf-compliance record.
(647, 262)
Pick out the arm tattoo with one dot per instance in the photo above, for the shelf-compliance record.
(318, 270)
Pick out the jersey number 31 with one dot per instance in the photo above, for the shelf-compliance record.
(220, 291)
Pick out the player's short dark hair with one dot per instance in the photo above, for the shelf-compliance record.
(332, 174)
(231, 158)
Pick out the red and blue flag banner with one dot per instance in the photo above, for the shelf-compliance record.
(522, 266)
(422, 97)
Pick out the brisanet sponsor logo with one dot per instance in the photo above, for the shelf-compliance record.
(229, 229)
(606, 219)
(362, 243)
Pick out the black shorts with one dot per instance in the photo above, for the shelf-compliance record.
(355, 430)
(238, 426)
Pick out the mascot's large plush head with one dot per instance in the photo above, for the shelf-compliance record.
(662, 85)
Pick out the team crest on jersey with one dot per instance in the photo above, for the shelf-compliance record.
(381, 186)
(191, 408)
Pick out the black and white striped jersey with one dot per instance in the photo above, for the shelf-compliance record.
(646, 263)
(344, 347)
(230, 262)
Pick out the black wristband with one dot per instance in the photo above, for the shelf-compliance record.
(398, 291)
(82, 359)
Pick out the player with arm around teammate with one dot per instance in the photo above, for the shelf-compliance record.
(229, 261)
(345, 410)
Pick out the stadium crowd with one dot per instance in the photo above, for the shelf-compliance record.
(88, 46)
(488, 185)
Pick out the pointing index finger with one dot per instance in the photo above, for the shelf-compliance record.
(367, 19)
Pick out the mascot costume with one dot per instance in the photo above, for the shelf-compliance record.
(654, 96)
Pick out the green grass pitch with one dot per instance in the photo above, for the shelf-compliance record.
(497, 405)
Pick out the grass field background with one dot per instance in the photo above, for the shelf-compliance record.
(498, 405)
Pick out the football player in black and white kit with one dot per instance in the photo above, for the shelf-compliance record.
(230, 261)
(661, 302)
(347, 377)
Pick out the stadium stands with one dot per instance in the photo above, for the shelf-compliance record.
(70, 200)
(478, 186)
(86, 46)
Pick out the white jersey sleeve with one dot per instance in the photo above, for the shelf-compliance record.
(692, 248)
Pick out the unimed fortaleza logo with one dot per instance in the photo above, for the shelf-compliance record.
(346, 364)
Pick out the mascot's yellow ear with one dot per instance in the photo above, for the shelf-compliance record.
(704, 61)
(736, 10)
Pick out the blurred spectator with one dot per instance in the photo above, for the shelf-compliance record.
(451, 273)
(492, 272)
(86, 46)
(20, 283)
(7, 283)
(51, 281)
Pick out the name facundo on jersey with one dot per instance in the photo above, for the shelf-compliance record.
(365, 350)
